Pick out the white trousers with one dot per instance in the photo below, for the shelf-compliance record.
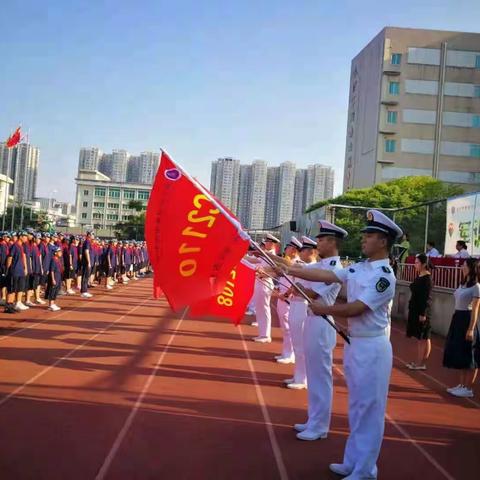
(262, 307)
(296, 319)
(283, 310)
(368, 365)
(319, 340)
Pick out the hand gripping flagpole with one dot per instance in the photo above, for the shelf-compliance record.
(246, 236)
(299, 290)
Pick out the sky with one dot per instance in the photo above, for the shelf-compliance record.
(201, 79)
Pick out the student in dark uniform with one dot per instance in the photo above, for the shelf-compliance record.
(73, 259)
(37, 269)
(27, 248)
(418, 325)
(16, 275)
(46, 257)
(55, 277)
(86, 264)
(3, 269)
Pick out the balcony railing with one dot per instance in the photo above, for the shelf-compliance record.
(444, 277)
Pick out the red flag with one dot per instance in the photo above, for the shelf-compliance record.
(193, 246)
(233, 300)
(14, 138)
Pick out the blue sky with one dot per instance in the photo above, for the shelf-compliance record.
(202, 79)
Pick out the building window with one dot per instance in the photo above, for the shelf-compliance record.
(475, 151)
(99, 191)
(476, 121)
(476, 91)
(143, 195)
(84, 215)
(85, 204)
(390, 146)
(99, 204)
(112, 217)
(477, 61)
(97, 216)
(113, 205)
(114, 193)
(85, 192)
(394, 88)
(396, 59)
(392, 116)
(126, 217)
(130, 194)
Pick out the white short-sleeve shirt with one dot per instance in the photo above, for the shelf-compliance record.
(327, 292)
(373, 283)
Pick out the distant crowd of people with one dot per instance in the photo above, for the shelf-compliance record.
(35, 265)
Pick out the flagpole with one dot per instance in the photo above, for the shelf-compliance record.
(7, 186)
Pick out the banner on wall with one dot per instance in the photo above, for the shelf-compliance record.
(463, 223)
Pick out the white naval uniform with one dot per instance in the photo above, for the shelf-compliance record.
(368, 363)
(296, 319)
(283, 311)
(263, 295)
(319, 340)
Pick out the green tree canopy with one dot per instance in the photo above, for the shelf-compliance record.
(403, 192)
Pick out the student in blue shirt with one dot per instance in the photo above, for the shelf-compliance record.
(87, 259)
(16, 275)
(55, 278)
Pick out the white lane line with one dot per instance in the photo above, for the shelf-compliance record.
(277, 453)
(123, 432)
(47, 369)
(33, 325)
(405, 434)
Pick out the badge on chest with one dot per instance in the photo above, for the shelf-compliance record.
(382, 284)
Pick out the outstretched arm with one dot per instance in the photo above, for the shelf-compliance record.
(312, 274)
(352, 309)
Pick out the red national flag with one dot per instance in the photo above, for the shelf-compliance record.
(14, 138)
(193, 246)
(232, 302)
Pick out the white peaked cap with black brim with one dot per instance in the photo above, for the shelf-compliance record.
(379, 222)
(271, 238)
(294, 242)
(308, 243)
(329, 229)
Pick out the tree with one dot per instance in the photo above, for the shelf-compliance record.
(133, 229)
(136, 205)
(38, 220)
(403, 192)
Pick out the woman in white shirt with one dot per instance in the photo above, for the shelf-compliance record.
(462, 346)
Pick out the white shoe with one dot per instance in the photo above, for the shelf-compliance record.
(254, 324)
(340, 469)
(285, 361)
(310, 436)
(297, 386)
(54, 308)
(249, 312)
(109, 287)
(70, 292)
(300, 427)
(19, 307)
(40, 302)
(262, 339)
(463, 392)
(453, 389)
(288, 381)
(29, 304)
(86, 295)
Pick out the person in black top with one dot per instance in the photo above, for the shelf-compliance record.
(418, 325)
(55, 277)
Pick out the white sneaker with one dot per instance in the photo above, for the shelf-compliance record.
(19, 306)
(54, 308)
(288, 381)
(340, 469)
(453, 389)
(86, 295)
(297, 386)
(300, 427)
(29, 304)
(70, 292)
(310, 436)
(285, 361)
(109, 287)
(254, 324)
(249, 312)
(40, 302)
(463, 392)
(262, 339)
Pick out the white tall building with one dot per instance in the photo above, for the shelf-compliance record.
(88, 158)
(300, 193)
(22, 168)
(244, 195)
(257, 194)
(286, 191)
(319, 184)
(119, 166)
(147, 168)
(272, 197)
(224, 181)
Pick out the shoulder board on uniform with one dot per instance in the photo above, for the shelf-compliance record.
(386, 269)
(333, 263)
(351, 270)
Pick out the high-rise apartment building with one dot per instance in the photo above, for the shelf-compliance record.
(21, 165)
(264, 197)
(414, 108)
(89, 158)
(224, 181)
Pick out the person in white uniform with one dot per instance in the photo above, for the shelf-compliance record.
(283, 304)
(263, 293)
(297, 317)
(319, 338)
(368, 358)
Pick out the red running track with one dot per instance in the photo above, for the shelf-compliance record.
(119, 387)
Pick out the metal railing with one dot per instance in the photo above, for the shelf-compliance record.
(444, 277)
